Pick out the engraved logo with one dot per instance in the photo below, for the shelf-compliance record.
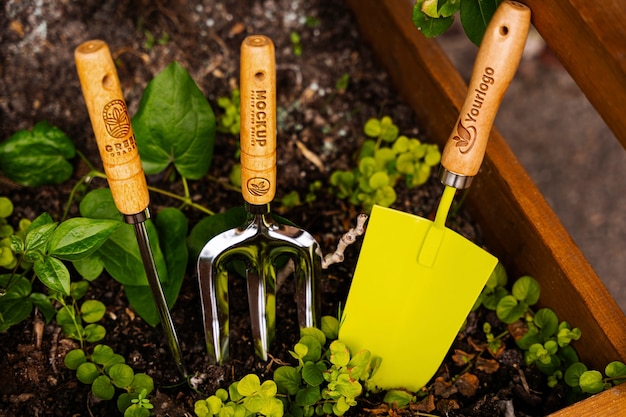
(116, 119)
(466, 132)
(258, 186)
(258, 111)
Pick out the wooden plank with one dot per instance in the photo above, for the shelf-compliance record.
(519, 226)
(589, 38)
(608, 403)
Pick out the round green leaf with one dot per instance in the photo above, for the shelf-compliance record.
(547, 321)
(87, 372)
(378, 180)
(249, 385)
(314, 348)
(102, 354)
(526, 289)
(308, 396)
(102, 388)
(312, 375)
(94, 332)
(429, 26)
(121, 375)
(372, 128)
(509, 309)
(92, 310)
(287, 379)
(330, 327)
(616, 369)
(74, 358)
(573, 373)
(591, 382)
(142, 382)
(314, 332)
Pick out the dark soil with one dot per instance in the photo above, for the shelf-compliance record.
(38, 81)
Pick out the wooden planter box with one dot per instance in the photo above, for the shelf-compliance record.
(518, 225)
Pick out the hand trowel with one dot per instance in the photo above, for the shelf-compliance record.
(416, 280)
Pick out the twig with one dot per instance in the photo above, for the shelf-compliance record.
(346, 240)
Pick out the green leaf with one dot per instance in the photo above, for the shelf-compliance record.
(308, 396)
(53, 274)
(616, 369)
(175, 124)
(547, 321)
(526, 289)
(74, 358)
(429, 26)
(42, 302)
(212, 226)
(102, 388)
(339, 354)
(142, 382)
(330, 327)
(37, 157)
(475, 17)
(37, 237)
(397, 398)
(379, 180)
(372, 128)
(314, 348)
(249, 385)
(591, 382)
(102, 354)
(573, 374)
(87, 372)
(287, 379)
(79, 237)
(78, 289)
(312, 375)
(90, 267)
(314, 332)
(15, 304)
(94, 332)
(121, 375)
(92, 310)
(509, 309)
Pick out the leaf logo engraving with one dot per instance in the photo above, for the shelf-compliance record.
(258, 186)
(116, 119)
(465, 137)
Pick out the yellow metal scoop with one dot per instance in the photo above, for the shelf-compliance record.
(416, 280)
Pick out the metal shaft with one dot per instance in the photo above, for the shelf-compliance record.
(138, 221)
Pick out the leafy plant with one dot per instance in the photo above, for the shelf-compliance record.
(107, 372)
(434, 17)
(229, 121)
(37, 157)
(326, 381)
(381, 162)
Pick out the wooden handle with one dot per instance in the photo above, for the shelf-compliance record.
(258, 120)
(111, 126)
(497, 60)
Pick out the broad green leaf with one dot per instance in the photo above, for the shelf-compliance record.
(397, 398)
(37, 238)
(79, 237)
(87, 372)
(43, 303)
(287, 379)
(142, 381)
(308, 396)
(314, 348)
(573, 374)
(121, 375)
(120, 252)
(339, 354)
(92, 310)
(78, 289)
(591, 382)
(90, 267)
(547, 321)
(616, 369)
(15, 304)
(475, 17)
(249, 385)
(431, 27)
(94, 332)
(102, 354)
(526, 289)
(509, 309)
(53, 274)
(37, 157)
(211, 226)
(314, 332)
(175, 124)
(74, 358)
(102, 388)
(330, 327)
(312, 375)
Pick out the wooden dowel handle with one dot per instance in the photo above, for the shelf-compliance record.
(497, 60)
(258, 120)
(111, 125)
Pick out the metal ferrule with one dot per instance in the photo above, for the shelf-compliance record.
(257, 208)
(140, 217)
(453, 179)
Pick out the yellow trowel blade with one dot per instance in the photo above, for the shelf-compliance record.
(404, 312)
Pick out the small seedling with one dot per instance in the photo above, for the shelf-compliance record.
(384, 159)
(229, 120)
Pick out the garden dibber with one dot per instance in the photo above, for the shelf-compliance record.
(416, 280)
(259, 241)
(116, 142)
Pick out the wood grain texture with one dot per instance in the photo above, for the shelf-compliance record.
(111, 125)
(258, 120)
(496, 63)
(519, 227)
(589, 38)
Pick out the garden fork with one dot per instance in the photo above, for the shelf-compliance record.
(260, 240)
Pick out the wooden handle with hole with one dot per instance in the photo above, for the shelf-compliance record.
(496, 63)
(258, 120)
(111, 125)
